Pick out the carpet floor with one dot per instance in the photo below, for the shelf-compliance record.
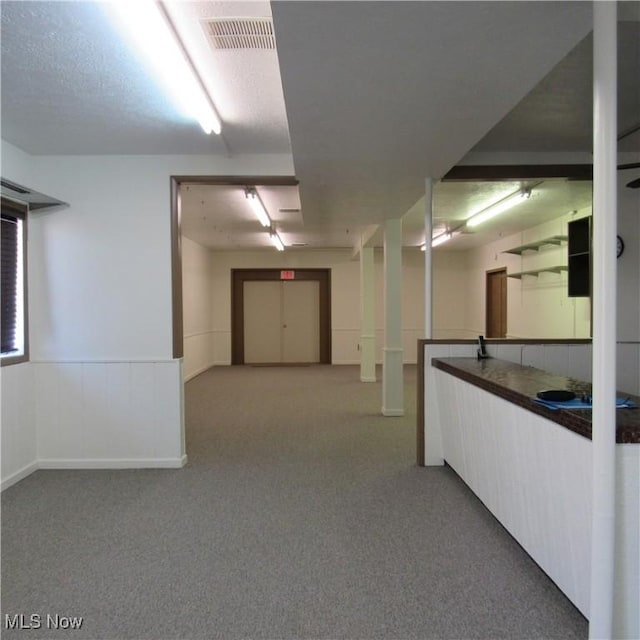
(300, 515)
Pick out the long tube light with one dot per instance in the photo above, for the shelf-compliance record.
(439, 239)
(499, 207)
(147, 24)
(275, 240)
(258, 208)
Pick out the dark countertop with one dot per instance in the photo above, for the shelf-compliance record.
(519, 385)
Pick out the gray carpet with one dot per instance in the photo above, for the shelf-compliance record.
(301, 515)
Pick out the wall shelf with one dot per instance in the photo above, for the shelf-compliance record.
(535, 272)
(535, 246)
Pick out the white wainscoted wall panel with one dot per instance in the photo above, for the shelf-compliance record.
(528, 472)
(108, 414)
(627, 567)
(564, 359)
(534, 475)
(19, 446)
(199, 353)
(198, 305)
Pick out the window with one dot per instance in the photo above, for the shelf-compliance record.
(14, 332)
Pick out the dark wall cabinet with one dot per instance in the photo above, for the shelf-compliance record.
(579, 258)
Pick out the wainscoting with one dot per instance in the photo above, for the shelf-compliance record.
(535, 476)
(532, 474)
(91, 415)
(571, 358)
(198, 353)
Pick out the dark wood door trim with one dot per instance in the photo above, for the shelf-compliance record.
(177, 330)
(489, 273)
(240, 276)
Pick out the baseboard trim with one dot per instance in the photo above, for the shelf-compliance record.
(21, 474)
(144, 463)
(197, 372)
(392, 413)
(114, 463)
(367, 379)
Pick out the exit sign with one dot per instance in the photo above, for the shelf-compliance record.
(287, 275)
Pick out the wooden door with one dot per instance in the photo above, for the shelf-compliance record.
(262, 322)
(497, 304)
(300, 321)
(281, 322)
(305, 308)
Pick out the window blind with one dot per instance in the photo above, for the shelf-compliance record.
(9, 283)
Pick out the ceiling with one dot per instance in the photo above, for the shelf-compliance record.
(368, 97)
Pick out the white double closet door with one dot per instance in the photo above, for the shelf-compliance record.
(281, 321)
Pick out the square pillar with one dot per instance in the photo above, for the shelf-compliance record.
(392, 353)
(367, 316)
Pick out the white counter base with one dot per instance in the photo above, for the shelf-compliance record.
(535, 477)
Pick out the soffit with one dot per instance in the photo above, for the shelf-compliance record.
(382, 94)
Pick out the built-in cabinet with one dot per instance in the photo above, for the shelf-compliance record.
(579, 258)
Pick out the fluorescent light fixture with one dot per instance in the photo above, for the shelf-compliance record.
(499, 207)
(439, 239)
(258, 208)
(149, 28)
(275, 240)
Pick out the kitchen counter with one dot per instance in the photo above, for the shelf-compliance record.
(519, 385)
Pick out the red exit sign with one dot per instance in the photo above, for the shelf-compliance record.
(287, 275)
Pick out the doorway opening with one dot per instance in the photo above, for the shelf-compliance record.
(281, 316)
(496, 303)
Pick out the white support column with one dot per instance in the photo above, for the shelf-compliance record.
(601, 623)
(428, 277)
(392, 373)
(367, 316)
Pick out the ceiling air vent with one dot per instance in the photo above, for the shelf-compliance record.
(240, 33)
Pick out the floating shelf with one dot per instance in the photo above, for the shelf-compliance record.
(535, 246)
(534, 272)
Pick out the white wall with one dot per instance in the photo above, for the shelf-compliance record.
(18, 438)
(629, 263)
(197, 299)
(345, 285)
(345, 297)
(111, 247)
(100, 309)
(537, 307)
(553, 307)
(449, 307)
